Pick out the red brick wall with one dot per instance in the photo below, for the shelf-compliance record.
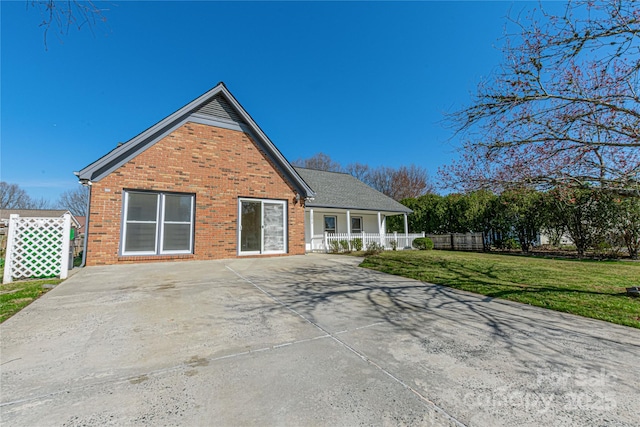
(215, 164)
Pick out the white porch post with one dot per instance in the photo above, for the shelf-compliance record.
(311, 229)
(384, 230)
(406, 231)
(349, 227)
(380, 228)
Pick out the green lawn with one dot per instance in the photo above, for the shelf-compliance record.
(593, 289)
(17, 295)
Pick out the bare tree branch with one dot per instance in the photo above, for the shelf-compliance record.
(74, 201)
(563, 108)
(63, 15)
(14, 197)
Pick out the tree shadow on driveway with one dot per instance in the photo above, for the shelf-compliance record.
(342, 297)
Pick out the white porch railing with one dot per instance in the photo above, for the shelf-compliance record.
(324, 242)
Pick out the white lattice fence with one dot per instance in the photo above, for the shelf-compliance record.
(37, 247)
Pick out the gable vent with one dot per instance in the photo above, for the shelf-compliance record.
(219, 108)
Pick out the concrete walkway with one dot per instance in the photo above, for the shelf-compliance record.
(308, 340)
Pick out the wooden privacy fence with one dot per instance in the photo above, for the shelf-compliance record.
(458, 241)
(37, 247)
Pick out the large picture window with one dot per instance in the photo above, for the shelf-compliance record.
(157, 223)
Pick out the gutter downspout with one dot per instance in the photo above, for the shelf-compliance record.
(87, 184)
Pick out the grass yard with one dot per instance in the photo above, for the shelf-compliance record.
(17, 295)
(593, 289)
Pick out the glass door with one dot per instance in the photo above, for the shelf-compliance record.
(250, 226)
(262, 226)
(273, 220)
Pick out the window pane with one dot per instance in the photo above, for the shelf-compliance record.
(251, 224)
(330, 224)
(177, 237)
(177, 208)
(140, 237)
(356, 224)
(273, 227)
(142, 207)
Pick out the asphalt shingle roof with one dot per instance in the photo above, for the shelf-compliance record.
(341, 190)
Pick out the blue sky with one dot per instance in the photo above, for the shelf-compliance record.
(359, 81)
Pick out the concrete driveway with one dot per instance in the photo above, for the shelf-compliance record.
(308, 340)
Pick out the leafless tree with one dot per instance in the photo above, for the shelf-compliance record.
(358, 170)
(60, 16)
(411, 181)
(319, 161)
(74, 201)
(400, 183)
(563, 109)
(40, 203)
(13, 197)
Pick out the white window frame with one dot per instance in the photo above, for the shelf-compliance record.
(160, 221)
(284, 226)
(357, 230)
(324, 223)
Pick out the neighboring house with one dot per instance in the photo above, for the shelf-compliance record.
(203, 183)
(79, 237)
(545, 239)
(37, 213)
(344, 205)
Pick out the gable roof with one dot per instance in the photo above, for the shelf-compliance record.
(217, 107)
(341, 190)
(37, 213)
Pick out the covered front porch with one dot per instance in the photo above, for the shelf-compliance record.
(323, 226)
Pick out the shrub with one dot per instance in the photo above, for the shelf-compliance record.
(334, 246)
(373, 248)
(604, 249)
(511, 243)
(394, 244)
(423, 243)
(356, 244)
(344, 244)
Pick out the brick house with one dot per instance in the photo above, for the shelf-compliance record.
(207, 183)
(203, 183)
